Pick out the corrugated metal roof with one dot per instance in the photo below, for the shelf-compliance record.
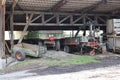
(110, 6)
(68, 6)
(73, 5)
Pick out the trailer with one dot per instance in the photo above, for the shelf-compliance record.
(56, 39)
(20, 51)
(49, 38)
(84, 44)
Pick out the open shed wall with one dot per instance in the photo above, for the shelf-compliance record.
(58, 14)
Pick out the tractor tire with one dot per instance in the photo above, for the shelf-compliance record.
(67, 49)
(57, 45)
(20, 55)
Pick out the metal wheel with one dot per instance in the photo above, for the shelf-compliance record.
(20, 55)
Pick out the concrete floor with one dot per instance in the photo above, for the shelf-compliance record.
(107, 73)
(5, 62)
(108, 69)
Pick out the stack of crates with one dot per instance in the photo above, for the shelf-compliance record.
(113, 32)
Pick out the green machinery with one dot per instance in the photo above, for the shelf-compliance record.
(20, 51)
(45, 34)
(49, 38)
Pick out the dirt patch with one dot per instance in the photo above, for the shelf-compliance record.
(51, 58)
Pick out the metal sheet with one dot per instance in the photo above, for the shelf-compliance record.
(71, 5)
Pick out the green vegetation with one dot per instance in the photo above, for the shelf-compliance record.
(73, 60)
(27, 62)
(57, 61)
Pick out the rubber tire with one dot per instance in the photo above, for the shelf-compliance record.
(57, 45)
(21, 53)
(67, 49)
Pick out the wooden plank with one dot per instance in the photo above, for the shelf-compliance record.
(1, 48)
(7, 47)
(65, 19)
(53, 24)
(36, 18)
(2, 2)
(52, 13)
(50, 19)
(11, 31)
(14, 3)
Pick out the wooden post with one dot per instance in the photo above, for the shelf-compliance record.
(11, 31)
(2, 30)
(28, 21)
(11, 24)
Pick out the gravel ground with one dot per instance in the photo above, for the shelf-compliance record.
(107, 69)
(57, 54)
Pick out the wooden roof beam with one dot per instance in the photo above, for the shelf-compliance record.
(12, 8)
(11, 23)
(14, 4)
(3, 2)
(115, 11)
(92, 7)
(59, 5)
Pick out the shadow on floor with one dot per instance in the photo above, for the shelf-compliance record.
(107, 62)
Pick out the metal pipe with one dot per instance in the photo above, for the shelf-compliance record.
(91, 28)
